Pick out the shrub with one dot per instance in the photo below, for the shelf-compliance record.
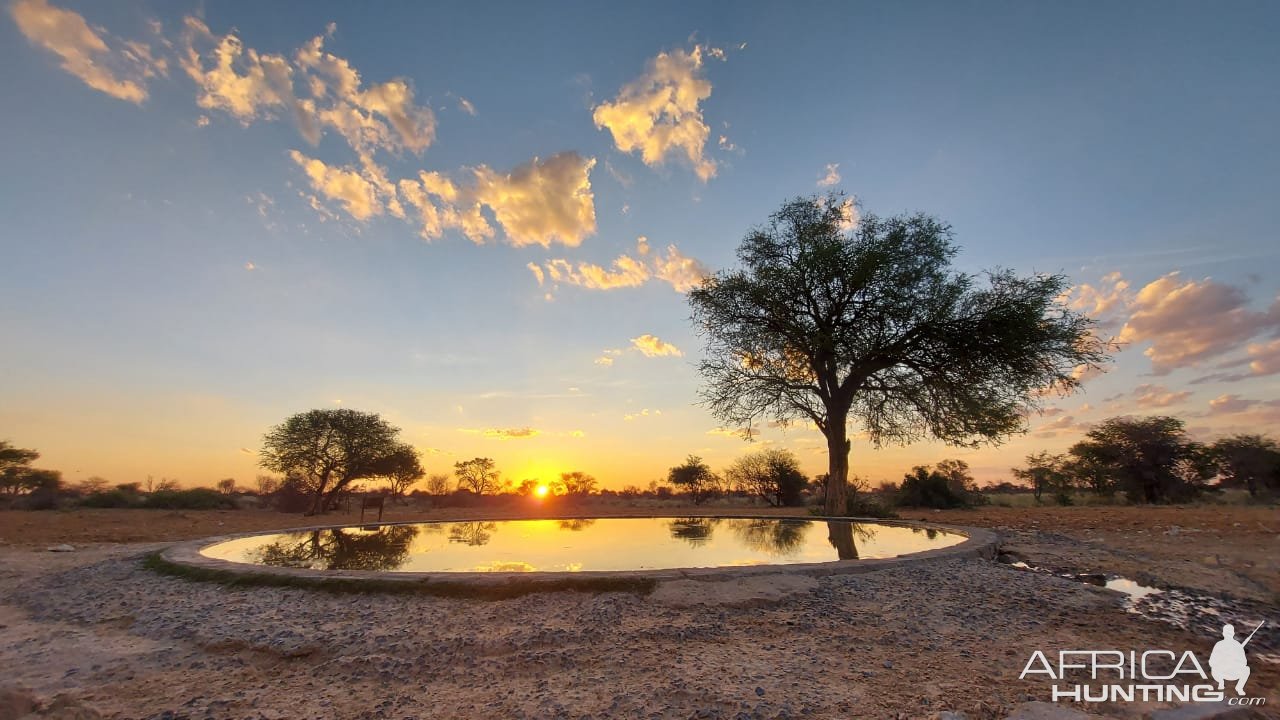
(925, 488)
(109, 499)
(193, 499)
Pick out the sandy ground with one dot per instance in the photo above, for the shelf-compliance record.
(90, 634)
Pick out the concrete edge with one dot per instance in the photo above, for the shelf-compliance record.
(978, 543)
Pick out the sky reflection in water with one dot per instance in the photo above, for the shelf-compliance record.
(582, 544)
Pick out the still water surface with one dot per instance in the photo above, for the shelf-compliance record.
(583, 544)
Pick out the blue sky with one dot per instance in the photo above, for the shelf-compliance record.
(187, 262)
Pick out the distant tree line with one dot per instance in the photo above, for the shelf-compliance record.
(1151, 460)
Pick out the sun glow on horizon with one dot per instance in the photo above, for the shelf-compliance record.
(542, 490)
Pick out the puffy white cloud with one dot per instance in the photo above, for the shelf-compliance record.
(832, 176)
(659, 113)
(85, 52)
(541, 201)
(465, 106)
(651, 346)
(608, 356)
(1186, 321)
(681, 271)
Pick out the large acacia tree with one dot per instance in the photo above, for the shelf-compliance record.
(830, 323)
(327, 450)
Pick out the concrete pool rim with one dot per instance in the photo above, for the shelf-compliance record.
(977, 543)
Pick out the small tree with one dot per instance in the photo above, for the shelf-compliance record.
(1046, 472)
(1151, 458)
(1248, 461)
(771, 474)
(267, 484)
(578, 483)
(825, 324)
(695, 477)
(401, 469)
(227, 486)
(327, 450)
(15, 468)
(438, 484)
(477, 475)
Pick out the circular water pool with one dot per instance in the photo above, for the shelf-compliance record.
(580, 545)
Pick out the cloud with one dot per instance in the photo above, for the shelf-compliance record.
(736, 433)
(540, 202)
(383, 115)
(1263, 359)
(121, 72)
(644, 413)
(1148, 396)
(1188, 322)
(250, 266)
(626, 271)
(658, 114)
(651, 346)
(345, 185)
(832, 177)
(523, 433)
(1106, 302)
(536, 203)
(607, 357)
(465, 106)
(1229, 404)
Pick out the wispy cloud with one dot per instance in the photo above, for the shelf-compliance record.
(118, 68)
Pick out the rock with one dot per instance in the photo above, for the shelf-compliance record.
(1040, 710)
(60, 548)
(759, 691)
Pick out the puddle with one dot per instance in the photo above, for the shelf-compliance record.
(1195, 612)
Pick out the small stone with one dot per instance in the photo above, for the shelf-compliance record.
(888, 664)
(759, 691)
(61, 548)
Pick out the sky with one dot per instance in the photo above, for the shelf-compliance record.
(479, 220)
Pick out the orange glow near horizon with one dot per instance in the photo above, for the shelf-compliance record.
(541, 491)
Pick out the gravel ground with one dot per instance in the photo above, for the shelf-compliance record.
(92, 634)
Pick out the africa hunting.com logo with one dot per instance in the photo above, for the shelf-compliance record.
(1148, 676)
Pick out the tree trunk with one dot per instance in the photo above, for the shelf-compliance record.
(837, 503)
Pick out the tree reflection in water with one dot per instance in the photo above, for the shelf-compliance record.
(383, 548)
(771, 536)
(695, 530)
(842, 537)
(577, 524)
(474, 534)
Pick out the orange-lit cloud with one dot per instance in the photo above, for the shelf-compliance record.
(683, 273)
(120, 72)
(518, 433)
(832, 176)
(651, 346)
(1187, 322)
(658, 114)
(347, 186)
(541, 201)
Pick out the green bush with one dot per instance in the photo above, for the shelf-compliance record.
(923, 488)
(193, 499)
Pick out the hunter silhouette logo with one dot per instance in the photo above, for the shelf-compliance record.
(1228, 661)
(1149, 675)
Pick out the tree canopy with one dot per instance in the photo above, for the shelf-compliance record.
(695, 477)
(324, 451)
(772, 474)
(479, 475)
(825, 323)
